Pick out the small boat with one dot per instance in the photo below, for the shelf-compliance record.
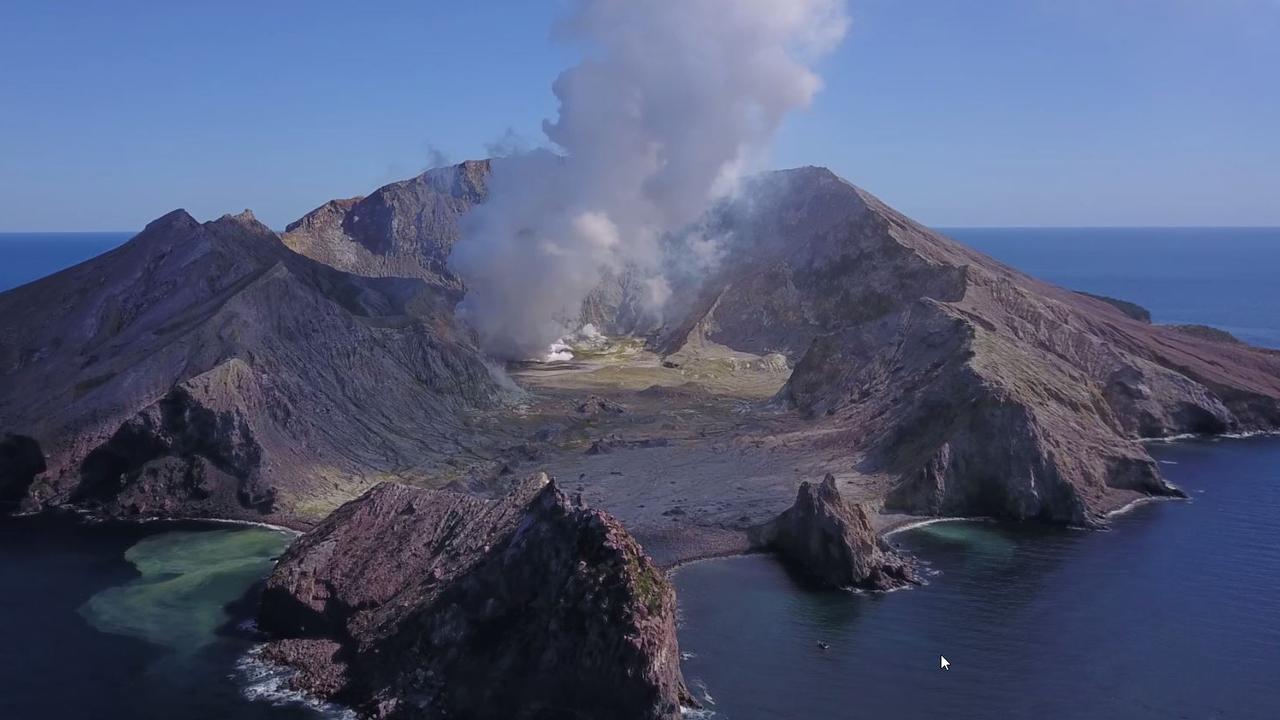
(823, 645)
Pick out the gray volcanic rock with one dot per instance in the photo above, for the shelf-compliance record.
(963, 386)
(206, 370)
(410, 603)
(833, 541)
(405, 229)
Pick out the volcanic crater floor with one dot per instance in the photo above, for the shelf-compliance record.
(687, 450)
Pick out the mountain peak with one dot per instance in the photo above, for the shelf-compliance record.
(171, 221)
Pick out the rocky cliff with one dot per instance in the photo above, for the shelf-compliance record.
(530, 606)
(833, 542)
(207, 370)
(405, 229)
(967, 387)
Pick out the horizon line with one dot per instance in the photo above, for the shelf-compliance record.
(940, 227)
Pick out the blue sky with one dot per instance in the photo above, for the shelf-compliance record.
(1000, 112)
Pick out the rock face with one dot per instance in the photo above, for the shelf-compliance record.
(410, 603)
(408, 228)
(833, 542)
(957, 384)
(405, 229)
(207, 370)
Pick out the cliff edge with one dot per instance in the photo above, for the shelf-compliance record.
(530, 606)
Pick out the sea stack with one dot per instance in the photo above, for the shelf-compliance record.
(832, 541)
(411, 603)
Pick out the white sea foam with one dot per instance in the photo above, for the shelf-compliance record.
(934, 521)
(1212, 438)
(1170, 438)
(220, 521)
(1134, 504)
(266, 682)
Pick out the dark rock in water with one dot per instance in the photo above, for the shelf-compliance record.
(20, 461)
(1132, 309)
(410, 603)
(833, 542)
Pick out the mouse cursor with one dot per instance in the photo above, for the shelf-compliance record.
(944, 663)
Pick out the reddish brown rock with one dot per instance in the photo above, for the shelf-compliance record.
(444, 605)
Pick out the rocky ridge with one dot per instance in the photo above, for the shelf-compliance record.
(405, 229)
(530, 606)
(959, 385)
(206, 370)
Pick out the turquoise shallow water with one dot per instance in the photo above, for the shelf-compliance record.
(133, 622)
(186, 579)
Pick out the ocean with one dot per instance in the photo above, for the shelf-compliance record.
(30, 256)
(1173, 613)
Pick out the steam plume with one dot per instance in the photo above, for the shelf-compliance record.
(673, 101)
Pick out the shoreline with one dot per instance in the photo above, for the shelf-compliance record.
(1138, 502)
(1245, 435)
(88, 518)
(916, 524)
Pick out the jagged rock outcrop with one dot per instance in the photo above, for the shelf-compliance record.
(207, 370)
(405, 229)
(833, 542)
(410, 603)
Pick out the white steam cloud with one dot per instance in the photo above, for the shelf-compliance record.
(673, 102)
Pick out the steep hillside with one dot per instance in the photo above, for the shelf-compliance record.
(973, 388)
(205, 369)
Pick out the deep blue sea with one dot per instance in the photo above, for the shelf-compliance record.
(1226, 277)
(29, 256)
(1174, 613)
